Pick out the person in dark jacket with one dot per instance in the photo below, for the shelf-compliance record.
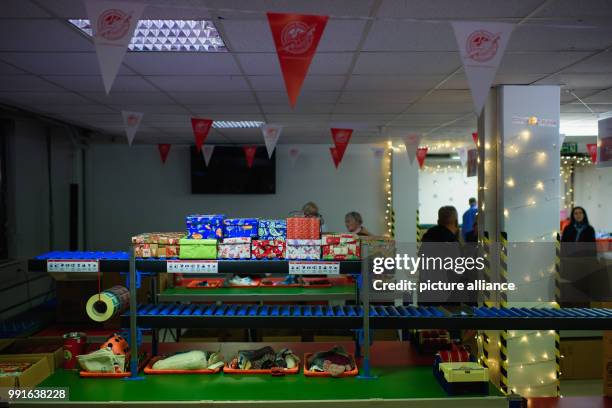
(579, 229)
(447, 229)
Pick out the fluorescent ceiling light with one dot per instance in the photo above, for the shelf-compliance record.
(240, 124)
(578, 127)
(170, 35)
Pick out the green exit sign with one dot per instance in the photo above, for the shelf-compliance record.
(569, 148)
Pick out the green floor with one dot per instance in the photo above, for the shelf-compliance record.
(392, 383)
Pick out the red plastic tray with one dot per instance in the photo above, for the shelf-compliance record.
(267, 283)
(150, 370)
(228, 370)
(354, 372)
(213, 283)
(326, 285)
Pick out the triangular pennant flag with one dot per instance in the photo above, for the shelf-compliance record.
(463, 155)
(475, 138)
(113, 24)
(200, 127)
(378, 152)
(481, 48)
(335, 154)
(341, 138)
(249, 152)
(164, 149)
(271, 133)
(296, 37)
(421, 155)
(604, 142)
(294, 152)
(131, 120)
(592, 149)
(207, 152)
(412, 142)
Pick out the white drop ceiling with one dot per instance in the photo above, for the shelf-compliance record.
(381, 64)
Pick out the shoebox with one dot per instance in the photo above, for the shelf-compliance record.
(268, 249)
(50, 348)
(378, 246)
(463, 378)
(305, 249)
(235, 248)
(272, 229)
(201, 226)
(29, 377)
(198, 248)
(157, 244)
(240, 227)
(303, 228)
(341, 247)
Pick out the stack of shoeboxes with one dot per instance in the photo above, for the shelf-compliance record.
(237, 236)
(157, 244)
(341, 247)
(303, 238)
(272, 240)
(203, 231)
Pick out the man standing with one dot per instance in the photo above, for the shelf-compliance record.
(468, 218)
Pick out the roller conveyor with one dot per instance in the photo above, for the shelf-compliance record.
(381, 317)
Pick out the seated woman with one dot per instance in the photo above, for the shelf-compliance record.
(354, 224)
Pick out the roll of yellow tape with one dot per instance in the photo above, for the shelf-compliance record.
(103, 306)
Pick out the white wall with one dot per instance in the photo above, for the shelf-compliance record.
(129, 191)
(444, 186)
(593, 191)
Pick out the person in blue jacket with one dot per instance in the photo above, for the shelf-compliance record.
(468, 218)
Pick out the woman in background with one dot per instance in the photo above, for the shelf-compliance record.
(311, 210)
(354, 224)
(579, 229)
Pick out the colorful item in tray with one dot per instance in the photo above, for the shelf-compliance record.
(13, 369)
(341, 247)
(112, 357)
(240, 227)
(238, 281)
(306, 249)
(303, 228)
(198, 249)
(268, 249)
(289, 280)
(190, 360)
(157, 244)
(235, 248)
(454, 355)
(272, 229)
(335, 361)
(201, 226)
(264, 358)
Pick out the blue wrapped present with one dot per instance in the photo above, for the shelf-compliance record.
(240, 227)
(272, 229)
(204, 226)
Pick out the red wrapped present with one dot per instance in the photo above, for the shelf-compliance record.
(339, 239)
(457, 354)
(303, 228)
(268, 249)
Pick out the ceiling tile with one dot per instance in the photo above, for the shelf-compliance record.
(599, 64)
(388, 35)
(311, 83)
(377, 97)
(457, 9)
(176, 83)
(30, 83)
(541, 38)
(57, 63)
(538, 63)
(301, 107)
(45, 98)
(405, 63)
(72, 109)
(216, 109)
(320, 7)
(305, 97)
(204, 98)
(392, 82)
(41, 35)
(369, 108)
(322, 63)
(569, 9)
(93, 83)
(129, 98)
(182, 63)
(21, 9)
(152, 109)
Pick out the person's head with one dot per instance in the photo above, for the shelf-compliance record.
(310, 209)
(353, 221)
(579, 215)
(472, 201)
(447, 217)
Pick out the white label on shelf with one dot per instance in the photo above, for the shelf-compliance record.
(314, 268)
(73, 265)
(183, 266)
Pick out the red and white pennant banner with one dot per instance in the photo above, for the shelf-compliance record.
(207, 152)
(294, 153)
(200, 127)
(271, 134)
(131, 121)
(411, 142)
(336, 157)
(421, 154)
(113, 24)
(249, 152)
(341, 138)
(296, 37)
(164, 149)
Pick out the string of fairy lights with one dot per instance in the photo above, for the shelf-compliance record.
(569, 164)
(389, 213)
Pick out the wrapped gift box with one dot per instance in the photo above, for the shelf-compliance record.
(463, 378)
(157, 244)
(204, 226)
(198, 249)
(268, 249)
(303, 228)
(341, 247)
(240, 227)
(307, 249)
(378, 246)
(272, 229)
(235, 248)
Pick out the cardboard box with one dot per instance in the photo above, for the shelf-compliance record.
(581, 359)
(22, 348)
(31, 377)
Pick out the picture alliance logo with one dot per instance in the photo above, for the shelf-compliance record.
(113, 24)
(482, 45)
(297, 37)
